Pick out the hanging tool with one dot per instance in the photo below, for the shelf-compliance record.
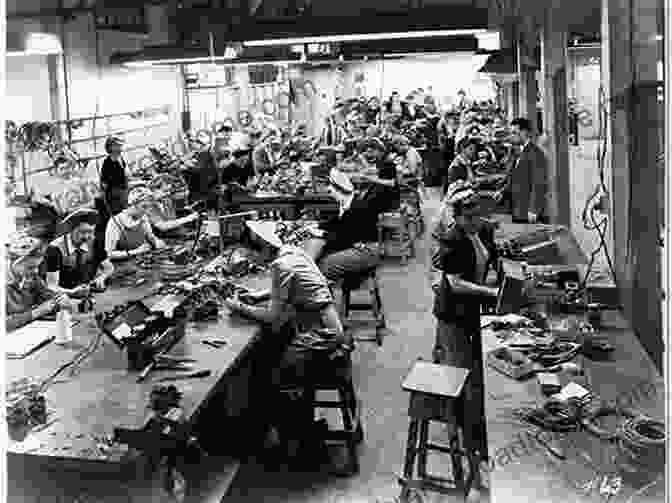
(194, 375)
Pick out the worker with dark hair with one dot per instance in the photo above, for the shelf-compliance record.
(75, 260)
(113, 176)
(460, 168)
(528, 180)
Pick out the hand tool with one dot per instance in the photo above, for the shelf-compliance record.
(215, 343)
(165, 362)
(193, 375)
(553, 450)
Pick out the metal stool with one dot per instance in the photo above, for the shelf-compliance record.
(336, 378)
(355, 282)
(436, 395)
(399, 242)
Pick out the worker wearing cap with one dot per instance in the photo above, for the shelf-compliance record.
(113, 176)
(27, 295)
(129, 234)
(463, 253)
(74, 260)
(349, 241)
(300, 298)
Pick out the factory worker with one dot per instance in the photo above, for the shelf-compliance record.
(129, 234)
(27, 296)
(300, 301)
(113, 176)
(75, 260)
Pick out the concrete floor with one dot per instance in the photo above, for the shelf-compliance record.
(379, 371)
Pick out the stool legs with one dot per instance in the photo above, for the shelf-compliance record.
(411, 450)
(422, 449)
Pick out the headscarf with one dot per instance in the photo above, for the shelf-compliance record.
(21, 246)
(140, 195)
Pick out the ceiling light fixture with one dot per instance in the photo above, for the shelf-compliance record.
(195, 61)
(38, 44)
(318, 39)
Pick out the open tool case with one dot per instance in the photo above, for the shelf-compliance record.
(141, 332)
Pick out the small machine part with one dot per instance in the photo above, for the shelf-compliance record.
(550, 383)
(194, 375)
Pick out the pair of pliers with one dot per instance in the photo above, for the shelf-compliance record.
(215, 343)
(164, 362)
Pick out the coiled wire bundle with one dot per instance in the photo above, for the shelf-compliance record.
(642, 443)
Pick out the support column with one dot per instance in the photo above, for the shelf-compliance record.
(635, 131)
(554, 68)
(527, 43)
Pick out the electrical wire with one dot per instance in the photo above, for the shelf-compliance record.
(601, 191)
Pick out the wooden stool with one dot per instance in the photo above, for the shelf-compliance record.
(355, 282)
(337, 378)
(400, 241)
(436, 395)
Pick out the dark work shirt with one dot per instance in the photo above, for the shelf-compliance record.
(203, 179)
(456, 256)
(61, 257)
(359, 223)
(240, 171)
(113, 174)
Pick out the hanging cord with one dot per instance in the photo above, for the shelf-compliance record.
(600, 193)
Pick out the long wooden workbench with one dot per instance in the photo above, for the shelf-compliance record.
(87, 406)
(521, 468)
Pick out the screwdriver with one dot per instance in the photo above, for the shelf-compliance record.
(193, 375)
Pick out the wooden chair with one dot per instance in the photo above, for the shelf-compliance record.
(436, 395)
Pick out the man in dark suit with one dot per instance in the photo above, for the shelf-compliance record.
(528, 180)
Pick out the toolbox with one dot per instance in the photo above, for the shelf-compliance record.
(141, 332)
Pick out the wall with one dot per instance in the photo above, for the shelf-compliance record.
(95, 88)
(445, 73)
(584, 80)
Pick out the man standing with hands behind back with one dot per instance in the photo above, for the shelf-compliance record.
(528, 179)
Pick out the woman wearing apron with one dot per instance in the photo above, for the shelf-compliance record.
(465, 251)
(129, 234)
(300, 298)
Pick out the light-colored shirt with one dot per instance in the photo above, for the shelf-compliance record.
(297, 281)
(114, 236)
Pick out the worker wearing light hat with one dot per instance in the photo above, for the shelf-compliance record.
(300, 302)
(27, 296)
(113, 176)
(75, 260)
(267, 156)
(129, 234)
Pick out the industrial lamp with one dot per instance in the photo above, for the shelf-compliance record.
(34, 43)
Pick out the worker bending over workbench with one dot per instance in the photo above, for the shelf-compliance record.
(300, 299)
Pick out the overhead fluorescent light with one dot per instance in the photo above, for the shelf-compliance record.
(318, 39)
(42, 44)
(489, 41)
(195, 61)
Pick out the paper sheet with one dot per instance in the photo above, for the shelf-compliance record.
(122, 332)
(22, 341)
